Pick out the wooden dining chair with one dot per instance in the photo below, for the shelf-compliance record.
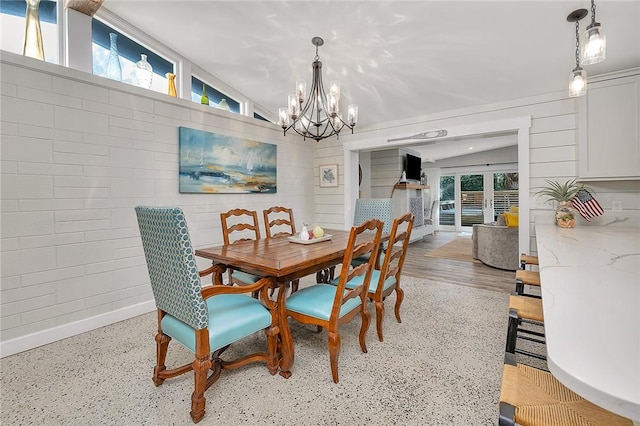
(206, 320)
(279, 221)
(386, 280)
(328, 306)
(240, 225)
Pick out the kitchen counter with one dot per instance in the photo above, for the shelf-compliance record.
(590, 278)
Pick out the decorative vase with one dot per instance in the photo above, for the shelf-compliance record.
(171, 79)
(565, 215)
(144, 72)
(204, 100)
(32, 34)
(224, 105)
(114, 69)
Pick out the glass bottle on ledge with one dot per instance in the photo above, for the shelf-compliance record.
(114, 69)
(224, 105)
(144, 72)
(204, 99)
(171, 79)
(32, 33)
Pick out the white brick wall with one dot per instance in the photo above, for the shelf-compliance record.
(78, 153)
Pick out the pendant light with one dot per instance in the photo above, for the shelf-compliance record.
(593, 41)
(578, 77)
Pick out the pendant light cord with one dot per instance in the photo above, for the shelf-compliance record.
(577, 44)
(593, 13)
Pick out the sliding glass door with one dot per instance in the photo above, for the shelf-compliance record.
(470, 198)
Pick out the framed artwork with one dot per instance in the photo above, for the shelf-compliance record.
(217, 164)
(329, 175)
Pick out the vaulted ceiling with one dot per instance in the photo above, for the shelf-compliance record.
(395, 59)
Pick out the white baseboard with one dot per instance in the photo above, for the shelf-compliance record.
(33, 340)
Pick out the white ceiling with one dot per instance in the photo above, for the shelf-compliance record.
(395, 59)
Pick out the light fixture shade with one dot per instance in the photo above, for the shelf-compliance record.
(352, 114)
(577, 82)
(301, 90)
(283, 117)
(294, 106)
(593, 45)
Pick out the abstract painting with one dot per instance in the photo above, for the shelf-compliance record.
(211, 163)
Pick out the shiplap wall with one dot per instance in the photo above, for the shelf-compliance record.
(79, 152)
(552, 152)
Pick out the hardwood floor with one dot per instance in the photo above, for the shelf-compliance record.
(453, 271)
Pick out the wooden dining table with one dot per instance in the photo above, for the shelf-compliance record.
(284, 261)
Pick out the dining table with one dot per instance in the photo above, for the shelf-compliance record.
(590, 282)
(285, 259)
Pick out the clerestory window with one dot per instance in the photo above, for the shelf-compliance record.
(13, 23)
(129, 52)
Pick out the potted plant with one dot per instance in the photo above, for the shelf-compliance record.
(562, 193)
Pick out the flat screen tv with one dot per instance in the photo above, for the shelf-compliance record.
(413, 167)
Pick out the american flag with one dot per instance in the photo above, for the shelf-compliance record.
(587, 206)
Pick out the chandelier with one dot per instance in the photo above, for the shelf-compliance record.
(320, 116)
(578, 77)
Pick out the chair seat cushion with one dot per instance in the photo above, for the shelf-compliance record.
(375, 277)
(365, 258)
(360, 259)
(317, 300)
(245, 278)
(231, 317)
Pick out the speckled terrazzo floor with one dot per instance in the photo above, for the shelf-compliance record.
(441, 366)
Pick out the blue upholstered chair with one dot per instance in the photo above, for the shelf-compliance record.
(370, 208)
(328, 306)
(386, 280)
(206, 320)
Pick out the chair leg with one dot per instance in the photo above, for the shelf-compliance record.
(399, 299)
(519, 287)
(334, 352)
(201, 368)
(507, 414)
(272, 349)
(512, 330)
(162, 344)
(379, 318)
(294, 286)
(366, 319)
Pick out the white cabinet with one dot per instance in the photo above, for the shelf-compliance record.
(609, 130)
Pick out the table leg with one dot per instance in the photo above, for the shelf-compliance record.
(286, 342)
(325, 275)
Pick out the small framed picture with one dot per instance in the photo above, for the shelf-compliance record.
(329, 175)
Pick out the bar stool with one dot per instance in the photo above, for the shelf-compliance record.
(531, 278)
(526, 310)
(531, 396)
(526, 259)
